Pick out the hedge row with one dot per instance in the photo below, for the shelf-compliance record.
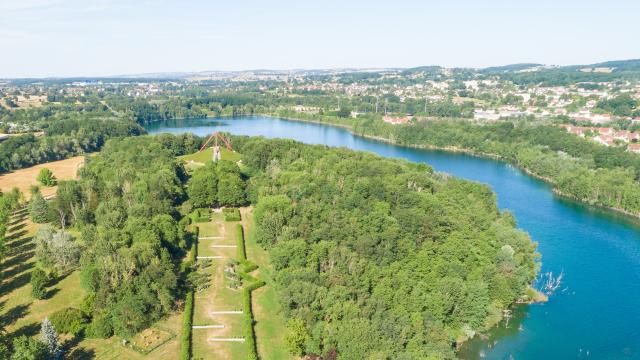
(187, 322)
(248, 266)
(201, 215)
(242, 252)
(231, 214)
(249, 334)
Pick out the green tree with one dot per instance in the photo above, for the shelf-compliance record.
(39, 209)
(46, 177)
(296, 336)
(39, 281)
(49, 337)
(27, 348)
(231, 190)
(56, 249)
(203, 187)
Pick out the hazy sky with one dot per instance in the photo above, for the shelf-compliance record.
(107, 37)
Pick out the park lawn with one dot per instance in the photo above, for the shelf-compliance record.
(20, 313)
(112, 348)
(217, 297)
(205, 350)
(270, 324)
(207, 155)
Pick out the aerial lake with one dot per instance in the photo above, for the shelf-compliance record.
(595, 314)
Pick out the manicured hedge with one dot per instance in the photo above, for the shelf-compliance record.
(242, 253)
(201, 215)
(247, 267)
(187, 322)
(194, 244)
(249, 334)
(231, 214)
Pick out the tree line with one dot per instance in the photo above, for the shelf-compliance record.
(577, 167)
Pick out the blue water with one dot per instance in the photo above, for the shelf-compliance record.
(595, 316)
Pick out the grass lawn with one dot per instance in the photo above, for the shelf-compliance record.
(207, 155)
(20, 313)
(270, 324)
(113, 349)
(217, 297)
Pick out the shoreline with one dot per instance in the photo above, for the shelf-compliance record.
(454, 149)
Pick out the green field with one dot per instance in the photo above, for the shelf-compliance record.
(206, 155)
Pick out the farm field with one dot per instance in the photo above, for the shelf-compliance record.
(24, 178)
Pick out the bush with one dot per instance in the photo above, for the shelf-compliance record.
(201, 215)
(231, 214)
(100, 327)
(39, 281)
(46, 177)
(187, 322)
(69, 321)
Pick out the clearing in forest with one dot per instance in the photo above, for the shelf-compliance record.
(201, 157)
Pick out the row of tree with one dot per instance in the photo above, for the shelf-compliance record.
(578, 167)
(65, 139)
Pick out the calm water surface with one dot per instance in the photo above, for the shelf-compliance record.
(596, 316)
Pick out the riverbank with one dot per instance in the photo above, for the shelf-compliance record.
(466, 151)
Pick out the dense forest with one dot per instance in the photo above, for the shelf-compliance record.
(62, 139)
(381, 258)
(579, 168)
(373, 257)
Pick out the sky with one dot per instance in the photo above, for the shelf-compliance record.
(61, 38)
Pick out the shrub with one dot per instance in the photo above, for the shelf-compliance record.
(69, 321)
(39, 281)
(187, 321)
(231, 214)
(100, 327)
(201, 215)
(46, 177)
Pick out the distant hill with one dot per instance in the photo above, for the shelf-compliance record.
(616, 65)
(510, 68)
